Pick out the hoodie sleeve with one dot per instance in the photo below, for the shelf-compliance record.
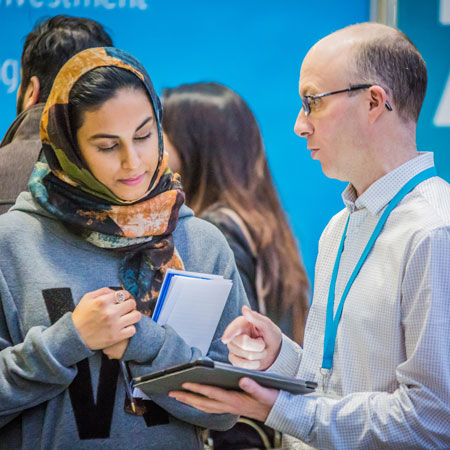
(39, 366)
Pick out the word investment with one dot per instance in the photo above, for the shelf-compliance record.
(69, 4)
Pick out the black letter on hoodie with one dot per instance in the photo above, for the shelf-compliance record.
(94, 418)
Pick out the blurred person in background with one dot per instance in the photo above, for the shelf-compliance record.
(47, 47)
(215, 143)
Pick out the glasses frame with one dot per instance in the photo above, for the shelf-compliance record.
(307, 99)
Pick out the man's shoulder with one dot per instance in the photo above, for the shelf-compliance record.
(25, 127)
(17, 160)
(20, 153)
(337, 222)
(21, 145)
(430, 204)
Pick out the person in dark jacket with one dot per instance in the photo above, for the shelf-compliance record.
(47, 47)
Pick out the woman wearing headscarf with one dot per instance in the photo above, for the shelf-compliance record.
(82, 259)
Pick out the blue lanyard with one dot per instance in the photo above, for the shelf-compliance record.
(331, 324)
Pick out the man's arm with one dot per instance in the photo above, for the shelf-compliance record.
(288, 360)
(417, 413)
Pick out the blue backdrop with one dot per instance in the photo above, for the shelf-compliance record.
(254, 47)
(427, 23)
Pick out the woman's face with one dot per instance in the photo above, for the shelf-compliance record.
(119, 142)
(174, 158)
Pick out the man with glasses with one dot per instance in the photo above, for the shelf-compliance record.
(377, 339)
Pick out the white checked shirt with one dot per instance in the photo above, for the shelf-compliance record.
(390, 383)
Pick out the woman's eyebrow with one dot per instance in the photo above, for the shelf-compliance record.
(147, 120)
(112, 136)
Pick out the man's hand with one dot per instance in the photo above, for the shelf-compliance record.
(253, 340)
(102, 321)
(256, 402)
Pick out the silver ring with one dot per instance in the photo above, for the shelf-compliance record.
(120, 296)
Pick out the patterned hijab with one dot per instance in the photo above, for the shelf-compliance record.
(64, 186)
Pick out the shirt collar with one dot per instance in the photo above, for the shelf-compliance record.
(380, 193)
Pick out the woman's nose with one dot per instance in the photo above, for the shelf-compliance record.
(130, 157)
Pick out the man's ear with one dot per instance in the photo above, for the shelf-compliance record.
(377, 102)
(32, 92)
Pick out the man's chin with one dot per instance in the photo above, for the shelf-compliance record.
(330, 173)
(326, 170)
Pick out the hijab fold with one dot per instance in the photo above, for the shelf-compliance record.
(141, 230)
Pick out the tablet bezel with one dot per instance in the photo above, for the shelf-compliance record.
(222, 375)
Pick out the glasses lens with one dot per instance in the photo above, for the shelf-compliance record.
(305, 103)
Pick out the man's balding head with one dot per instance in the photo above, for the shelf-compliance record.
(378, 54)
(362, 88)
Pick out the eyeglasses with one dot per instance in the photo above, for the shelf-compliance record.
(309, 100)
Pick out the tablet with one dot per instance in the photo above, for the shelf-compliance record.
(213, 373)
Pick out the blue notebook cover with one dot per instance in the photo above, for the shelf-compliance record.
(166, 284)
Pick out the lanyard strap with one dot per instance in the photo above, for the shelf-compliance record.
(331, 324)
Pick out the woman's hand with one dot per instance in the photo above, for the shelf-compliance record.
(253, 340)
(116, 351)
(255, 402)
(103, 322)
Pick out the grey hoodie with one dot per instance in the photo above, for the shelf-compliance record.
(55, 393)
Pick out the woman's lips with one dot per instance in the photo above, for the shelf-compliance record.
(133, 181)
(313, 152)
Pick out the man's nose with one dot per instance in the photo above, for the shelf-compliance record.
(303, 127)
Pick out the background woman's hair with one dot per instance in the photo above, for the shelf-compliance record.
(223, 160)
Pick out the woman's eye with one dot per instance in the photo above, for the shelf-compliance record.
(142, 138)
(107, 149)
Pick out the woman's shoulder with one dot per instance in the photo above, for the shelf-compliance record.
(17, 222)
(201, 231)
(221, 217)
(23, 217)
(27, 225)
(201, 244)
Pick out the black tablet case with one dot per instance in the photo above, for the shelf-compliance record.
(218, 374)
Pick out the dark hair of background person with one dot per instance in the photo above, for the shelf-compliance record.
(95, 88)
(223, 160)
(394, 62)
(53, 42)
